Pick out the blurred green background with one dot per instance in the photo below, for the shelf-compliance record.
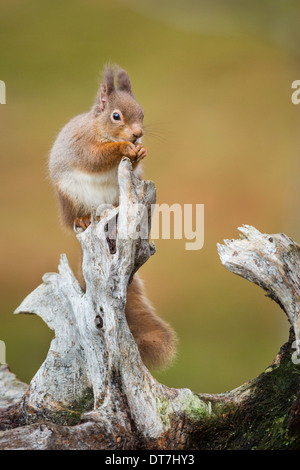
(214, 79)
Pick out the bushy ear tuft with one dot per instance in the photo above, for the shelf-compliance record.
(106, 88)
(123, 81)
(108, 81)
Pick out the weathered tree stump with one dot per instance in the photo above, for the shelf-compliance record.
(93, 390)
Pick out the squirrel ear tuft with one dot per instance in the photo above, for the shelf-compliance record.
(106, 88)
(123, 81)
(109, 79)
(103, 95)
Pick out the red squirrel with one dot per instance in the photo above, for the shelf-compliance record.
(83, 167)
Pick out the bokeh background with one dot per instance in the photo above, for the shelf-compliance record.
(214, 79)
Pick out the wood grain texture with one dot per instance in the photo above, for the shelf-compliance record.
(93, 390)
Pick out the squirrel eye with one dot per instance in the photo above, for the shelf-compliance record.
(116, 116)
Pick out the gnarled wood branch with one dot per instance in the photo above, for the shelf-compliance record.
(273, 263)
(93, 390)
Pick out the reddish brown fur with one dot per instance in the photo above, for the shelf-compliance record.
(100, 157)
(154, 338)
(93, 143)
(68, 211)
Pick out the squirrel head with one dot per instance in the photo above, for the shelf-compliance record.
(117, 114)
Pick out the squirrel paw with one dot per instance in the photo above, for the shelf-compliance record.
(128, 150)
(135, 152)
(81, 223)
(141, 153)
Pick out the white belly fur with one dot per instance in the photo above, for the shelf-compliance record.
(91, 189)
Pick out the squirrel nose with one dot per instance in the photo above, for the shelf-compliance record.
(137, 132)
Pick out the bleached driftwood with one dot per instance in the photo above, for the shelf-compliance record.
(273, 263)
(94, 392)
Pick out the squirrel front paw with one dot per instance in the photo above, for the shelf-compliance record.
(128, 149)
(134, 152)
(141, 153)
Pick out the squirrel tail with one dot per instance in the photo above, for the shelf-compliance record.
(154, 337)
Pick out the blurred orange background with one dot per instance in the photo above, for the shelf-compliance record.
(215, 86)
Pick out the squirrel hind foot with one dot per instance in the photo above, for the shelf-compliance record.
(81, 223)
